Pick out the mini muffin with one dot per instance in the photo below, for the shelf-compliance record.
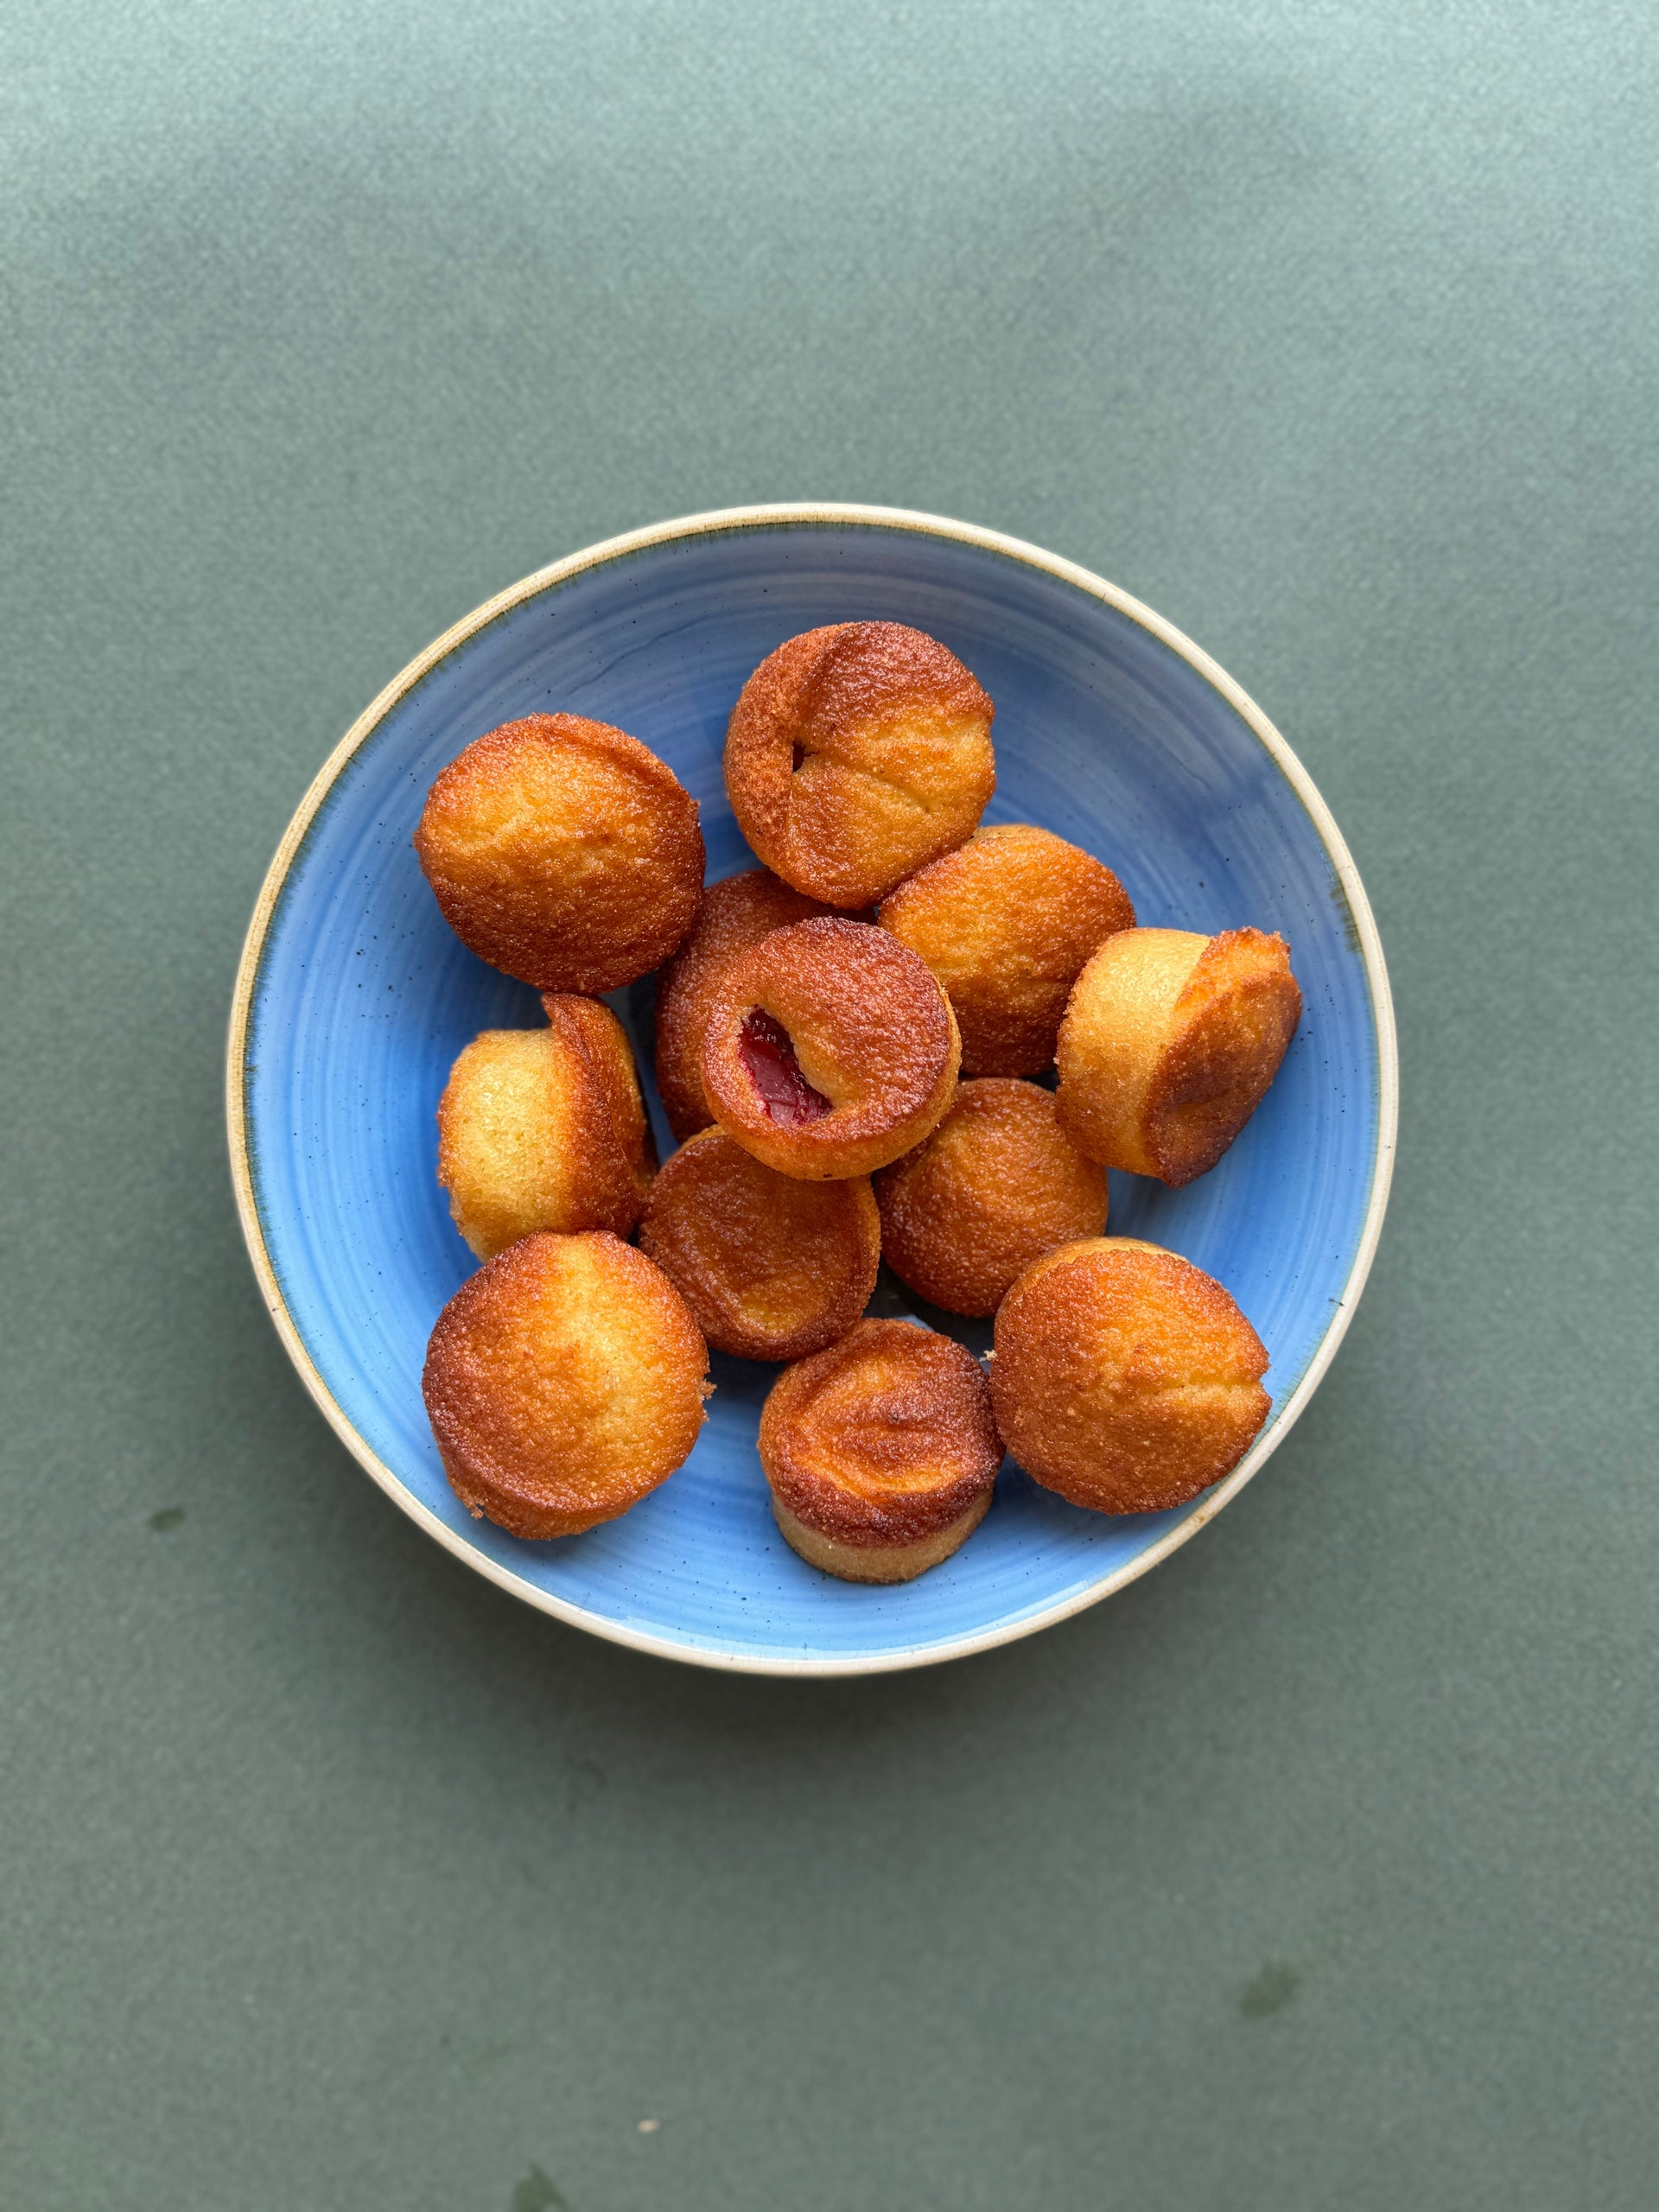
(544, 1129)
(830, 1050)
(563, 1380)
(564, 851)
(1168, 1044)
(772, 1267)
(856, 755)
(880, 1453)
(995, 1187)
(1006, 923)
(736, 913)
(1124, 1378)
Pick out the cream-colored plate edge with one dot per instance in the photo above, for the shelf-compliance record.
(755, 517)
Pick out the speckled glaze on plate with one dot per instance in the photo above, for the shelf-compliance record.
(353, 997)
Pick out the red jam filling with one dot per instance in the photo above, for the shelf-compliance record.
(765, 1051)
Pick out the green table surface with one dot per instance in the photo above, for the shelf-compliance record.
(1318, 1869)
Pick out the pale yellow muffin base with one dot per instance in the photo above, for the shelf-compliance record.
(878, 1562)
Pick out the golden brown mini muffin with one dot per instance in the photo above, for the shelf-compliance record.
(770, 1267)
(1168, 1044)
(1006, 923)
(830, 1050)
(564, 851)
(995, 1187)
(544, 1129)
(563, 1380)
(1125, 1378)
(856, 754)
(880, 1453)
(736, 913)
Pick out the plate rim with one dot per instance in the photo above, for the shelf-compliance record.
(810, 513)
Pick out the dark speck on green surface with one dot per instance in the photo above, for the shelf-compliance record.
(536, 2193)
(1273, 1988)
(586, 1779)
(169, 1517)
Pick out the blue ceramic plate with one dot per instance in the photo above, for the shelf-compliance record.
(353, 998)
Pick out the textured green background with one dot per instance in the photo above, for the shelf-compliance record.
(1318, 1869)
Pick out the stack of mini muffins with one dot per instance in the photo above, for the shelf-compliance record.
(846, 1042)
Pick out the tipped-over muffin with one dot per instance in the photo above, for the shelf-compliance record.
(880, 1453)
(1006, 923)
(564, 851)
(563, 1380)
(772, 1267)
(995, 1187)
(736, 913)
(856, 755)
(830, 1050)
(544, 1129)
(1125, 1378)
(1168, 1044)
